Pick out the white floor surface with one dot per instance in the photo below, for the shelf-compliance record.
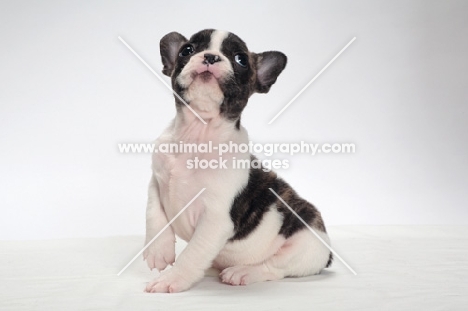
(399, 268)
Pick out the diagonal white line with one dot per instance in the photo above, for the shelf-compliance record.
(311, 81)
(162, 230)
(161, 79)
(313, 231)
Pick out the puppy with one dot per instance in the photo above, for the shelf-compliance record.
(237, 225)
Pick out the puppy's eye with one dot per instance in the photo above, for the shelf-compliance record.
(186, 51)
(241, 59)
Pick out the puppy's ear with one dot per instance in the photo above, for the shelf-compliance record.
(269, 66)
(169, 47)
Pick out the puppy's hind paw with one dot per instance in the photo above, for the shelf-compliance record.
(244, 275)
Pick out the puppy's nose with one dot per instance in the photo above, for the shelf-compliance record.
(211, 59)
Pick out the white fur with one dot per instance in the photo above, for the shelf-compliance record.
(300, 255)
(260, 244)
(217, 38)
(205, 100)
(161, 252)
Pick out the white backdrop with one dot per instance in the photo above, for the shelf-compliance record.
(70, 92)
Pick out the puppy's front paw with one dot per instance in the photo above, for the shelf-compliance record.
(160, 253)
(170, 281)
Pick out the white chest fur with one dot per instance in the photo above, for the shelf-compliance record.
(178, 184)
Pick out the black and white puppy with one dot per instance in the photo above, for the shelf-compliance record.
(237, 225)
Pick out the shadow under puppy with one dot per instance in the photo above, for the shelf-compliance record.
(237, 225)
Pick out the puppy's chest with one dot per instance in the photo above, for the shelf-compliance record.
(181, 175)
(188, 163)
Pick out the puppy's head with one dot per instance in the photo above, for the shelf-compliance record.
(214, 72)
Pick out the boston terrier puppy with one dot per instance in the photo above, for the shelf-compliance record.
(237, 225)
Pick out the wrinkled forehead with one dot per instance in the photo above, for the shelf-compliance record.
(218, 40)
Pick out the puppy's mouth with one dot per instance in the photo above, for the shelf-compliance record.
(206, 76)
(207, 73)
(202, 74)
